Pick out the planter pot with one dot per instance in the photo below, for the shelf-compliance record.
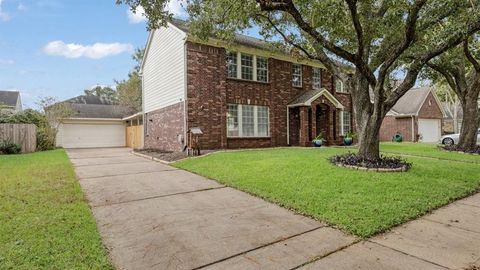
(317, 143)
(347, 141)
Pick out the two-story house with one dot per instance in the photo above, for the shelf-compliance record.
(244, 95)
(10, 100)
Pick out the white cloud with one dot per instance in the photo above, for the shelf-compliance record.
(3, 15)
(137, 16)
(6, 62)
(22, 7)
(95, 51)
(174, 6)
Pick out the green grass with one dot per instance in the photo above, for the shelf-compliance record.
(45, 222)
(427, 150)
(363, 203)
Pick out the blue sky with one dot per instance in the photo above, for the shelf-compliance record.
(61, 47)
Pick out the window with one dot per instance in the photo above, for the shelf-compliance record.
(252, 67)
(247, 66)
(346, 122)
(232, 65)
(297, 75)
(247, 121)
(262, 69)
(339, 87)
(317, 78)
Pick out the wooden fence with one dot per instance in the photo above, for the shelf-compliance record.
(135, 137)
(24, 135)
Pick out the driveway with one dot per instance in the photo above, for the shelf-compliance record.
(154, 216)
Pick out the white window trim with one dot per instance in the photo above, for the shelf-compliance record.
(342, 127)
(255, 122)
(254, 67)
(313, 72)
(301, 75)
(342, 88)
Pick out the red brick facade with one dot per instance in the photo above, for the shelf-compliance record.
(209, 91)
(164, 128)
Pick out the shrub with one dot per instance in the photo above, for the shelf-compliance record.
(10, 148)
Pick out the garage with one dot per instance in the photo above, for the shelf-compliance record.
(429, 129)
(86, 133)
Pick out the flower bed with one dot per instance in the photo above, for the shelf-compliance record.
(455, 148)
(384, 164)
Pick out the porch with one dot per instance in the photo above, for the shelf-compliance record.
(312, 113)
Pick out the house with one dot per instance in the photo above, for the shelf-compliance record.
(10, 100)
(417, 116)
(240, 95)
(452, 123)
(94, 122)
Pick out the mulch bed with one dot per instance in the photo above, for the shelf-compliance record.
(454, 148)
(163, 155)
(383, 164)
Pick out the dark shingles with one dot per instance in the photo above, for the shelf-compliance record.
(305, 97)
(412, 101)
(9, 98)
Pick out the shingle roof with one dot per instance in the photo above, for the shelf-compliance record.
(86, 106)
(305, 97)
(9, 98)
(412, 101)
(239, 38)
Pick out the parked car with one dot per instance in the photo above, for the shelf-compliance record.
(452, 139)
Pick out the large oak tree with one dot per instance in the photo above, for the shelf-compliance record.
(460, 69)
(378, 39)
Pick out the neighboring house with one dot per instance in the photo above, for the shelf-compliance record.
(10, 100)
(417, 116)
(95, 122)
(454, 118)
(242, 97)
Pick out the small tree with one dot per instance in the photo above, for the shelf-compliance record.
(459, 68)
(379, 39)
(54, 112)
(129, 91)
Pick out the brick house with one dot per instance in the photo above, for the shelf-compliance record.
(417, 116)
(244, 95)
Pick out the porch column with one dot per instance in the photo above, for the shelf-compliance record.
(314, 122)
(304, 126)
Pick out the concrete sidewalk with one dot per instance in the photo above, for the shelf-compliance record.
(153, 216)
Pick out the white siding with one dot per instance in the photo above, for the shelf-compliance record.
(164, 69)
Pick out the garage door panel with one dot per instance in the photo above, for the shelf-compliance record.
(430, 129)
(75, 135)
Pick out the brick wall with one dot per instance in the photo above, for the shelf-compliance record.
(209, 92)
(164, 128)
(391, 125)
(430, 108)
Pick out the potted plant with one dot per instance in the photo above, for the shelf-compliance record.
(348, 138)
(317, 142)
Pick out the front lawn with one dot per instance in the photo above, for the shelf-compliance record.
(363, 203)
(427, 150)
(45, 222)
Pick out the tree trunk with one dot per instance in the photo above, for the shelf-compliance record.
(468, 132)
(368, 120)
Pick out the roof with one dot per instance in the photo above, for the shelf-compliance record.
(239, 38)
(306, 99)
(9, 98)
(86, 106)
(411, 102)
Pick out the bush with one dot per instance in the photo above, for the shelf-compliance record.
(45, 133)
(10, 148)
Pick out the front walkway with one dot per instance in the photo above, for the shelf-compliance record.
(153, 216)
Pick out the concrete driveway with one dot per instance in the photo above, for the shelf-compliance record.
(153, 216)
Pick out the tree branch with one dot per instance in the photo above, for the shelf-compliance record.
(352, 6)
(445, 73)
(470, 58)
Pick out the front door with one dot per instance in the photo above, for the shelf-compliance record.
(322, 120)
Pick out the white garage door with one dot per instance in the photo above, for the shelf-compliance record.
(429, 129)
(95, 134)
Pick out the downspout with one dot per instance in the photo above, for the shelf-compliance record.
(185, 109)
(288, 125)
(413, 128)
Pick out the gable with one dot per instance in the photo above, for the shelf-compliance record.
(430, 108)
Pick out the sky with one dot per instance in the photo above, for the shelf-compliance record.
(59, 48)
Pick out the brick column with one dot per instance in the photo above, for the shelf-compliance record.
(314, 122)
(304, 126)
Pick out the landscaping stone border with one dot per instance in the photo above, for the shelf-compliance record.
(401, 169)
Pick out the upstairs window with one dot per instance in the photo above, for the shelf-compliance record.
(316, 78)
(247, 67)
(339, 87)
(297, 75)
(232, 65)
(262, 69)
